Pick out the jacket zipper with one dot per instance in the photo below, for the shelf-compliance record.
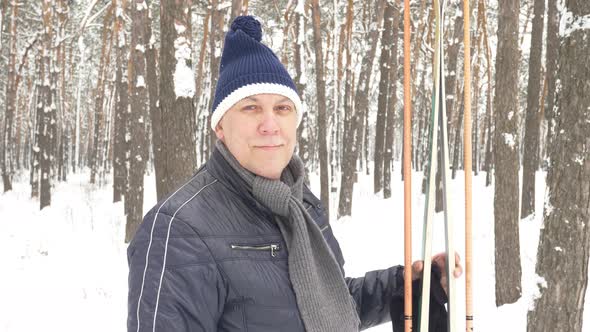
(272, 247)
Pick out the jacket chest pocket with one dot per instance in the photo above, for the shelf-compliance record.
(272, 249)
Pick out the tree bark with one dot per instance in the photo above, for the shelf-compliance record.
(176, 149)
(384, 86)
(507, 253)
(488, 152)
(39, 96)
(299, 64)
(100, 92)
(153, 85)
(48, 111)
(451, 77)
(564, 243)
(531, 136)
(391, 106)
(11, 89)
(122, 97)
(215, 49)
(138, 116)
(551, 58)
(321, 99)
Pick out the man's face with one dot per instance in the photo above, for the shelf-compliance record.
(260, 132)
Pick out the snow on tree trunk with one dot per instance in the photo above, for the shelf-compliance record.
(506, 217)
(564, 242)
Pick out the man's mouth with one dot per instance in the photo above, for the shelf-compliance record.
(269, 147)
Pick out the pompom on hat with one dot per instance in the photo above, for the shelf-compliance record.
(247, 68)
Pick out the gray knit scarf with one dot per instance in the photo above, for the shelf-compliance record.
(323, 297)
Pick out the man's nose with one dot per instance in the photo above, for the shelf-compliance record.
(269, 124)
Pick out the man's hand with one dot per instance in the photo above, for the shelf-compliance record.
(439, 260)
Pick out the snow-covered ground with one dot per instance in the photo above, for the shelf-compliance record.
(65, 267)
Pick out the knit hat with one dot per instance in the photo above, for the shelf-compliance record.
(248, 68)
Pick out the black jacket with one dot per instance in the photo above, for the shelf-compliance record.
(210, 258)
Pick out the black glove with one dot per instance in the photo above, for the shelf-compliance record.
(438, 312)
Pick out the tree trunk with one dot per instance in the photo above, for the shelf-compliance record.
(48, 111)
(299, 64)
(564, 243)
(488, 152)
(3, 6)
(215, 49)
(458, 137)
(11, 90)
(507, 253)
(384, 86)
(40, 94)
(175, 149)
(121, 126)
(199, 74)
(138, 102)
(236, 9)
(153, 85)
(391, 105)
(452, 56)
(321, 98)
(531, 136)
(551, 58)
(100, 92)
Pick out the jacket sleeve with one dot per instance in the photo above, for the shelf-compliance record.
(174, 282)
(375, 293)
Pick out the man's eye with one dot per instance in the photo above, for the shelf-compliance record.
(249, 108)
(284, 108)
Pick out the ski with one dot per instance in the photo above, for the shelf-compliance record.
(438, 122)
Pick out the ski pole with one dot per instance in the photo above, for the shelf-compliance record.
(407, 174)
(467, 162)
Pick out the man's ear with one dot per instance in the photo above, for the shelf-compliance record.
(219, 132)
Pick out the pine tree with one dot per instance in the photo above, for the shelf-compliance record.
(506, 234)
(564, 242)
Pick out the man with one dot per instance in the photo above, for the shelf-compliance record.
(244, 245)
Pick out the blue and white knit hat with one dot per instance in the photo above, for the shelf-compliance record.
(248, 68)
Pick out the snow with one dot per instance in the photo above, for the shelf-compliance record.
(70, 258)
(570, 23)
(152, 41)
(184, 84)
(180, 29)
(141, 6)
(140, 47)
(140, 82)
(509, 140)
(66, 264)
(121, 40)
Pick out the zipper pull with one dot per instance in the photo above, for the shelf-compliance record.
(273, 248)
